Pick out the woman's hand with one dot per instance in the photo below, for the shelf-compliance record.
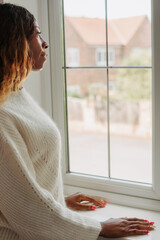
(79, 201)
(124, 227)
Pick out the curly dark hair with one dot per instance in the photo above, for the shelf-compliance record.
(16, 27)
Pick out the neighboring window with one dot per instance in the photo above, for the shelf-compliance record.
(101, 56)
(73, 57)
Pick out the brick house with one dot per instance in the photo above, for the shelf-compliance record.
(86, 41)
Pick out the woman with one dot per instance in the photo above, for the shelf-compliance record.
(32, 204)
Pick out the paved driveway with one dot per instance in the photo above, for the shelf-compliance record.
(130, 158)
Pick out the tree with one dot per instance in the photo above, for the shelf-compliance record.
(135, 84)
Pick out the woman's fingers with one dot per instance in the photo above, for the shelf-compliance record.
(82, 207)
(136, 219)
(80, 201)
(134, 232)
(135, 223)
(139, 222)
(95, 200)
(141, 227)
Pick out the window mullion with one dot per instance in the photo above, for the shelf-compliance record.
(156, 95)
(66, 137)
(108, 119)
(57, 86)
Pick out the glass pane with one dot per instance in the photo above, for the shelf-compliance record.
(131, 124)
(129, 32)
(85, 33)
(87, 120)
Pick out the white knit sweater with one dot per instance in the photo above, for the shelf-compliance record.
(31, 192)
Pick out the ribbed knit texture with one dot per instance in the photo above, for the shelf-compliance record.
(32, 204)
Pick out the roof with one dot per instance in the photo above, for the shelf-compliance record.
(120, 31)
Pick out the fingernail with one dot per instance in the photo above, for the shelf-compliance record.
(104, 204)
(152, 223)
(146, 220)
(147, 231)
(93, 207)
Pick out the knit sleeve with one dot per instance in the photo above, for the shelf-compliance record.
(32, 211)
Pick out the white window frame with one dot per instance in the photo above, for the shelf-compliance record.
(117, 191)
(73, 57)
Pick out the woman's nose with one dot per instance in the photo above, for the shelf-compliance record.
(45, 45)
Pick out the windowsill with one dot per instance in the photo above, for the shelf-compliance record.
(115, 211)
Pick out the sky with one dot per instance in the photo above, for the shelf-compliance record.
(115, 8)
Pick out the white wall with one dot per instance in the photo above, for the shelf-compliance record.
(38, 83)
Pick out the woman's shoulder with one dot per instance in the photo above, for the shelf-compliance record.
(6, 113)
(15, 103)
(8, 120)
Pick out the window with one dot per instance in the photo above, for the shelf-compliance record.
(111, 143)
(73, 57)
(101, 56)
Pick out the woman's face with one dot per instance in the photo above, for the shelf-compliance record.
(37, 48)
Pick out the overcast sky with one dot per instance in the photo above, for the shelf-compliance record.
(115, 8)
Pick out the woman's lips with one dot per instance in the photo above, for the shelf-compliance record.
(44, 54)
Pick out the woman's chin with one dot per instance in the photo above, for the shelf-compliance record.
(37, 68)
